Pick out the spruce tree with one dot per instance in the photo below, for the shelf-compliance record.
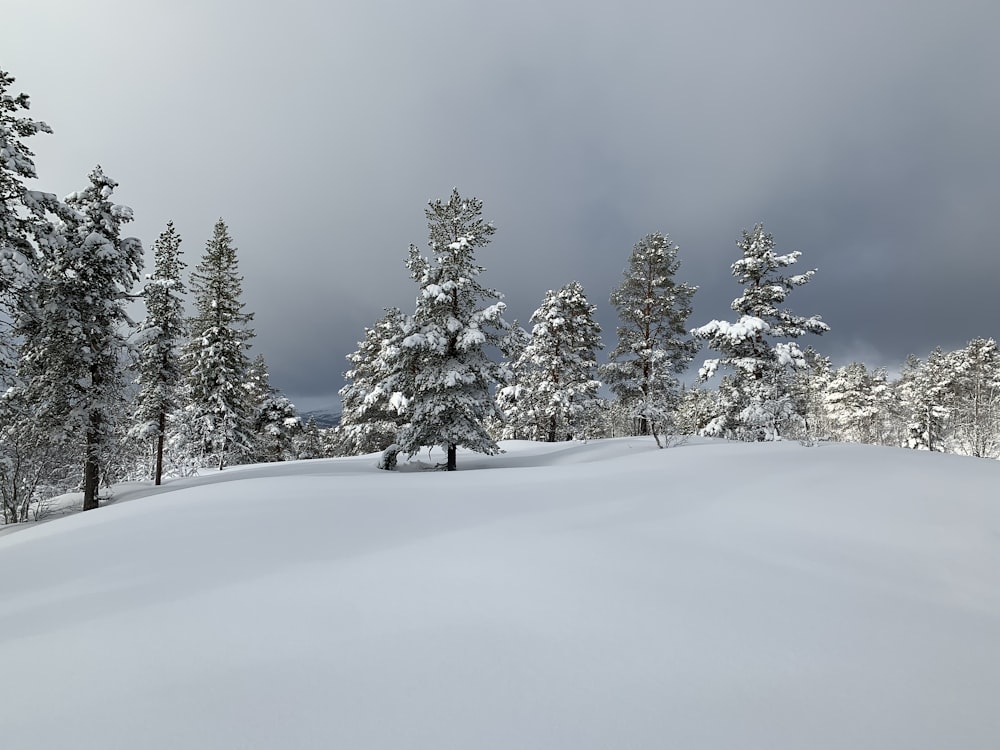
(158, 344)
(374, 398)
(759, 346)
(276, 421)
(451, 329)
(26, 233)
(72, 355)
(221, 411)
(559, 366)
(653, 344)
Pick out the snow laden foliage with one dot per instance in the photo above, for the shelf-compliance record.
(975, 421)
(557, 369)
(221, 412)
(277, 425)
(373, 400)
(858, 402)
(754, 404)
(445, 349)
(158, 345)
(25, 230)
(73, 350)
(805, 387)
(926, 392)
(511, 393)
(653, 343)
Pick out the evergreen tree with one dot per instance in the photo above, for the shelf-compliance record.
(71, 358)
(373, 401)
(257, 382)
(451, 330)
(976, 415)
(857, 401)
(559, 366)
(158, 344)
(25, 231)
(755, 403)
(653, 345)
(276, 421)
(696, 409)
(309, 442)
(805, 387)
(514, 422)
(926, 393)
(222, 411)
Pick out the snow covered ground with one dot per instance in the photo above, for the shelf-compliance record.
(601, 595)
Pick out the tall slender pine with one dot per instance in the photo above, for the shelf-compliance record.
(653, 344)
(219, 406)
(159, 342)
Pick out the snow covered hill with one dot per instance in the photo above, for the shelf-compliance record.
(601, 595)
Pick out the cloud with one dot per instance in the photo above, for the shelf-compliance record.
(861, 134)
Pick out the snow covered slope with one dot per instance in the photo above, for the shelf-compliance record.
(601, 595)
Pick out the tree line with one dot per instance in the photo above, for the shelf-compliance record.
(90, 397)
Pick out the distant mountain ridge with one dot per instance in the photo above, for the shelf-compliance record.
(324, 418)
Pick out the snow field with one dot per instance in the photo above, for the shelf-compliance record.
(714, 595)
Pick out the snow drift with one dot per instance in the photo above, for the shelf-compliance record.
(601, 595)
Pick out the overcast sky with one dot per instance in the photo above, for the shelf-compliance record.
(860, 132)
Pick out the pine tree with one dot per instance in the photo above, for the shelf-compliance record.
(806, 387)
(373, 401)
(653, 345)
(71, 358)
(25, 231)
(976, 414)
(309, 442)
(926, 393)
(158, 344)
(755, 403)
(857, 401)
(514, 422)
(559, 366)
(221, 411)
(451, 398)
(276, 421)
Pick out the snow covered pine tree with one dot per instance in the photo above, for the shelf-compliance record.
(26, 234)
(754, 402)
(446, 349)
(373, 406)
(71, 360)
(558, 367)
(158, 358)
(220, 404)
(653, 343)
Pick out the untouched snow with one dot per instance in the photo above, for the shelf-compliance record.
(601, 595)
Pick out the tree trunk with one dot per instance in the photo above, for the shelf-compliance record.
(159, 449)
(91, 468)
(552, 430)
(643, 426)
(452, 457)
(90, 474)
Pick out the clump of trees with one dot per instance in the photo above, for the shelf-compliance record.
(87, 396)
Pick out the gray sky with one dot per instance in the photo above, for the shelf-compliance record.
(863, 133)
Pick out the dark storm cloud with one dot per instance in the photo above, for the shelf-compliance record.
(860, 133)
